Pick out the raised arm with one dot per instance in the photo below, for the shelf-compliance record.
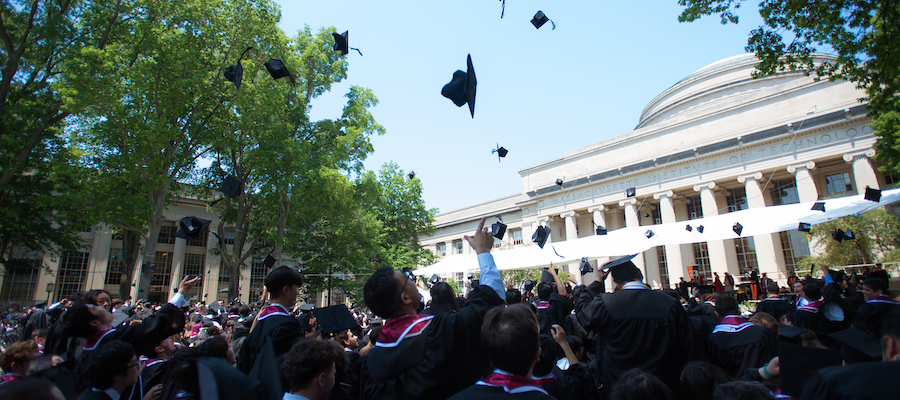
(482, 242)
(560, 288)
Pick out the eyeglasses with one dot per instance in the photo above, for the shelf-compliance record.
(137, 364)
(409, 278)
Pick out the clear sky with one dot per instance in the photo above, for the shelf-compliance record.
(540, 92)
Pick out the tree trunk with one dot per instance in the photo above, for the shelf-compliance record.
(131, 248)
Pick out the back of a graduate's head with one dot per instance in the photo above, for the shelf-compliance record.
(282, 277)
(109, 360)
(699, 380)
(19, 353)
(443, 299)
(382, 293)
(510, 337)
(77, 321)
(890, 335)
(726, 305)
(244, 310)
(30, 389)
(307, 360)
(812, 291)
(550, 352)
(772, 288)
(215, 346)
(544, 291)
(513, 296)
(639, 385)
(742, 390)
(765, 320)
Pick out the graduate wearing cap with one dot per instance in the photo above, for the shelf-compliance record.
(428, 356)
(736, 343)
(554, 305)
(636, 327)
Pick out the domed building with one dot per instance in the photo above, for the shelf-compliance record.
(718, 141)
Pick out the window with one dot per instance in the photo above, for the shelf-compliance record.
(459, 277)
(701, 259)
(200, 241)
(737, 199)
(663, 266)
(891, 180)
(784, 192)
(657, 216)
(224, 279)
(838, 183)
(193, 267)
(457, 247)
(497, 243)
(441, 249)
(746, 254)
(517, 236)
(338, 296)
(694, 208)
(229, 236)
(794, 247)
(20, 280)
(163, 271)
(71, 275)
(258, 273)
(167, 232)
(114, 267)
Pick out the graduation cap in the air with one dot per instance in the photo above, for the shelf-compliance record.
(818, 206)
(585, 266)
(804, 227)
(540, 236)
(837, 234)
(848, 235)
(335, 318)
(278, 70)
(700, 228)
(858, 346)
(737, 228)
(434, 279)
(540, 19)
(498, 229)
(559, 182)
(461, 89)
(412, 175)
(622, 269)
(191, 227)
(501, 152)
(630, 192)
(528, 285)
(342, 43)
(799, 362)
(269, 261)
(231, 187)
(307, 307)
(689, 228)
(601, 230)
(547, 277)
(649, 234)
(235, 73)
(872, 194)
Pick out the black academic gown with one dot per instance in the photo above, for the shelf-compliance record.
(867, 381)
(638, 329)
(39, 319)
(555, 313)
(442, 358)
(282, 331)
(872, 313)
(812, 317)
(145, 336)
(749, 347)
(775, 307)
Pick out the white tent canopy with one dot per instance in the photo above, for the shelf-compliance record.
(620, 242)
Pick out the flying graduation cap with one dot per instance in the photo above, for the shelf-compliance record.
(559, 182)
(737, 228)
(689, 228)
(540, 19)
(411, 175)
(872, 194)
(804, 227)
(501, 152)
(585, 267)
(837, 234)
(601, 230)
(540, 236)
(630, 192)
(342, 43)
(192, 227)
(461, 89)
(498, 229)
(278, 70)
(818, 206)
(234, 73)
(231, 187)
(269, 261)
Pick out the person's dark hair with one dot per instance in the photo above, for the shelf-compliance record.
(244, 310)
(373, 336)
(342, 337)
(215, 346)
(382, 293)
(550, 351)
(639, 385)
(282, 277)
(544, 291)
(812, 291)
(772, 288)
(672, 293)
(77, 321)
(29, 389)
(876, 284)
(17, 353)
(699, 380)
(510, 337)
(513, 296)
(306, 360)
(726, 305)
(443, 299)
(742, 390)
(109, 360)
(90, 297)
(575, 343)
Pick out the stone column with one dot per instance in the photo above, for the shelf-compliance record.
(673, 251)
(863, 173)
(599, 216)
(631, 220)
(718, 262)
(806, 185)
(571, 234)
(766, 257)
(177, 262)
(99, 259)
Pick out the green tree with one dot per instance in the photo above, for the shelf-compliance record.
(861, 34)
(405, 218)
(877, 236)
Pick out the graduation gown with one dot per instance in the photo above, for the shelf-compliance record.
(554, 311)
(872, 313)
(275, 325)
(872, 381)
(737, 344)
(812, 317)
(429, 356)
(775, 307)
(502, 385)
(145, 336)
(638, 328)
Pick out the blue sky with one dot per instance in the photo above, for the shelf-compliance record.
(540, 92)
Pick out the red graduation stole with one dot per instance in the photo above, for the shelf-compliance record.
(91, 342)
(812, 307)
(511, 383)
(883, 298)
(396, 329)
(541, 305)
(274, 309)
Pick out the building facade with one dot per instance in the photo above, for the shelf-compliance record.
(717, 141)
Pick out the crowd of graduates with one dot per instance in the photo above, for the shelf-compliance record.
(832, 338)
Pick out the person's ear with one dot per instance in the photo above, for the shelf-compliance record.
(321, 379)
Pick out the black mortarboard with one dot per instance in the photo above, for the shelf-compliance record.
(622, 269)
(528, 285)
(648, 234)
(540, 19)
(216, 379)
(501, 152)
(192, 227)
(498, 229)
(412, 175)
(461, 89)
(601, 230)
(40, 303)
(790, 332)
(838, 235)
(799, 362)
(630, 192)
(335, 318)
(231, 187)
(307, 307)
(689, 228)
(277, 68)
(546, 277)
(700, 228)
(818, 206)
(737, 228)
(585, 266)
(858, 346)
(342, 43)
(848, 235)
(434, 279)
(559, 182)
(269, 261)
(540, 236)
(235, 73)
(804, 227)
(872, 194)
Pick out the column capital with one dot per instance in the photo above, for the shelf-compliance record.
(667, 193)
(852, 155)
(567, 214)
(600, 207)
(796, 167)
(630, 200)
(543, 220)
(755, 176)
(708, 185)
